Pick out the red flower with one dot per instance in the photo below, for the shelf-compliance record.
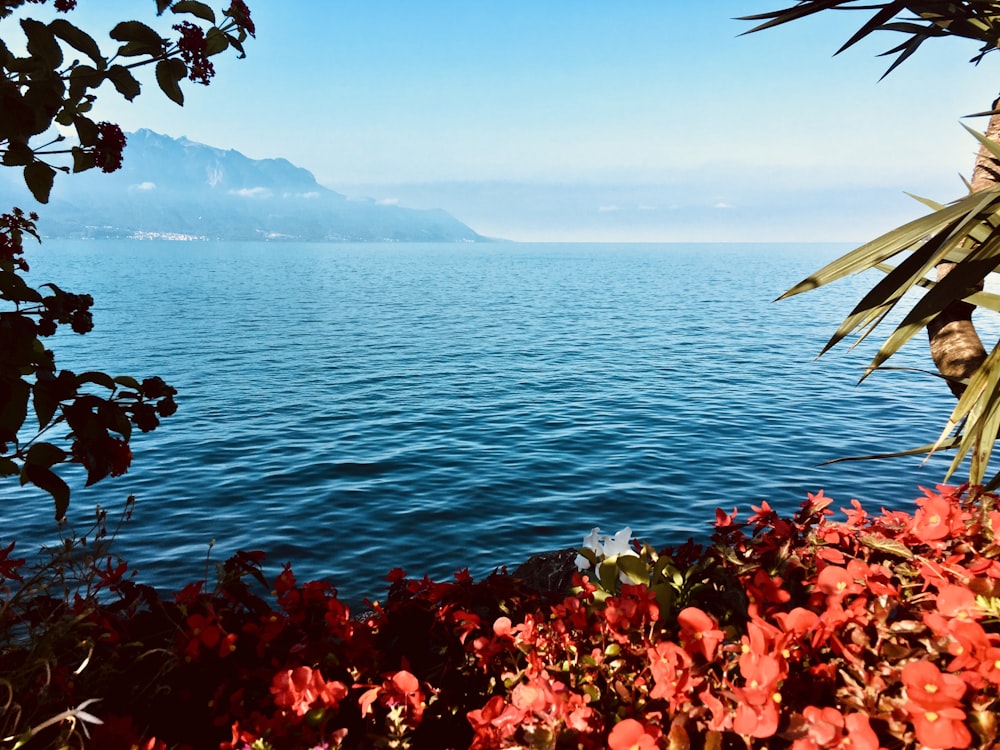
(205, 632)
(765, 593)
(720, 716)
(194, 52)
(110, 577)
(989, 666)
(630, 734)
(941, 727)
(824, 726)
(8, 567)
(670, 667)
(935, 705)
(929, 688)
(700, 633)
(240, 13)
(109, 147)
(859, 734)
(757, 720)
(934, 517)
(395, 575)
(797, 622)
(967, 640)
(856, 515)
(532, 698)
(402, 689)
(837, 582)
(958, 602)
(227, 645)
(493, 723)
(828, 728)
(298, 689)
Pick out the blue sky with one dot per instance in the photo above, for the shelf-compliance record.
(647, 120)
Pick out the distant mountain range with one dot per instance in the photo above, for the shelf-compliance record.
(176, 188)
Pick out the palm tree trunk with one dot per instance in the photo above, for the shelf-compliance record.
(955, 346)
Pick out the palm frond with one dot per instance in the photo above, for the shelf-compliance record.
(895, 454)
(977, 20)
(979, 408)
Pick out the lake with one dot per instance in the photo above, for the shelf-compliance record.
(354, 408)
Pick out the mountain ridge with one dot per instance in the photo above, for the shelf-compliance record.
(176, 188)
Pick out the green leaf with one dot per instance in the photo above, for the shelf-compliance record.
(42, 44)
(39, 178)
(889, 546)
(980, 299)
(78, 39)
(584, 552)
(633, 567)
(124, 81)
(237, 44)
(86, 130)
(45, 454)
(992, 146)
(880, 300)
(128, 381)
(891, 243)
(82, 160)
(46, 401)
(162, 5)
(201, 10)
(932, 205)
(97, 377)
(84, 77)
(956, 285)
(18, 154)
(873, 24)
(15, 289)
(46, 479)
(114, 418)
(14, 394)
(215, 42)
(8, 468)
(139, 39)
(929, 448)
(168, 76)
(981, 396)
(607, 576)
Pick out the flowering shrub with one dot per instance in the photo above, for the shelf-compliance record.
(46, 98)
(880, 631)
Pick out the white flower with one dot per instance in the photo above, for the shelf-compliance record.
(606, 547)
(619, 544)
(592, 542)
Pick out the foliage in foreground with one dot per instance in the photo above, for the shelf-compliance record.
(946, 255)
(45, 93)
(877, 631)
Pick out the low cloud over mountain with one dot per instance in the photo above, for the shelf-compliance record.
(178, 188)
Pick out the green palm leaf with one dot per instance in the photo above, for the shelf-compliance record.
(956, 285)
(965, 233)
(979, 410)
(893, 243)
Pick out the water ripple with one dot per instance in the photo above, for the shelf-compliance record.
(356, 408)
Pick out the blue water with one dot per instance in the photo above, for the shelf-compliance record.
(353, 408)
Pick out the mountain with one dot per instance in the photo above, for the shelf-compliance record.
(177, 188)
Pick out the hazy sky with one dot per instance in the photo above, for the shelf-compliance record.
(586, 120)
